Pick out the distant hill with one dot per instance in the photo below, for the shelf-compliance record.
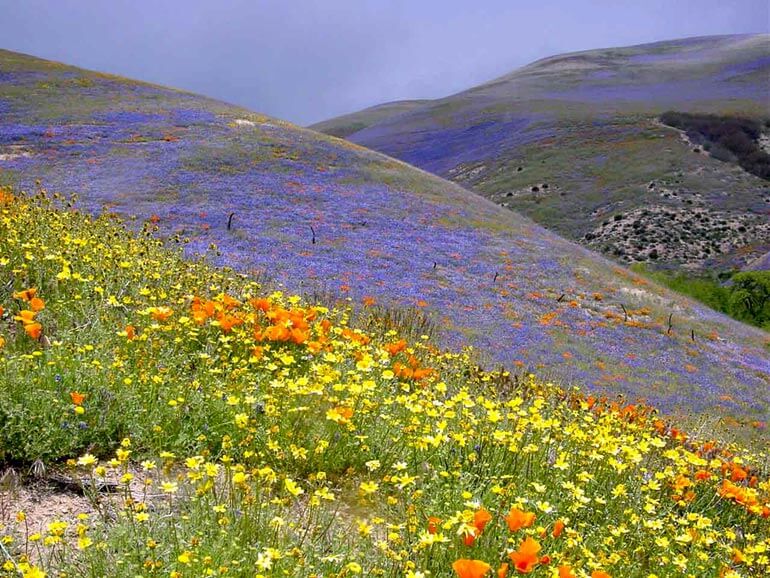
(343, 126)
(322, 215)
(574, 142)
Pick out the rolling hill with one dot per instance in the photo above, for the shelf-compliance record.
(318, 214)
(574, 141)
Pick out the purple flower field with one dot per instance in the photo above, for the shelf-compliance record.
(522, 296)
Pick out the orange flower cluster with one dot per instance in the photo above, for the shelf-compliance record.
(27, 316)
(412, 369)
(746, 497)
(268, 321)
(524, 560)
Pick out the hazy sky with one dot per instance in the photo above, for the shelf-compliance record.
(305, 60)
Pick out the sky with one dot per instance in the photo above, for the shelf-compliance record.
(306, 61)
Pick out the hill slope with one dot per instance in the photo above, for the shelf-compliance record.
(574, 142)
(316, 213)
(238, 444)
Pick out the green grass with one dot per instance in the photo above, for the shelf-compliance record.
(743, 296)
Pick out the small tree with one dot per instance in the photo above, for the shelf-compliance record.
(750, 297)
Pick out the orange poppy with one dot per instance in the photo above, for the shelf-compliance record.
(396, 347)
(36, 304)
(262, 304)
(25, 295)
(502, 572)
(566, 572)
(470, 568)
(130, 332)
(433, 523)
(26, 316)
(77, 397)
(558, 528)
(525, 558)
(518, 519)
(161, 313)
(34, 330)
(481, 518)
(600, 574)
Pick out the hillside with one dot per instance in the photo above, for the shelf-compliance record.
(574, 142)
(168, 418)
(322, 216)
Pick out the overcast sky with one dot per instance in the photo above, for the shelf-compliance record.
(305, 61)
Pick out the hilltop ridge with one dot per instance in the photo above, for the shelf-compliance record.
(318, 214)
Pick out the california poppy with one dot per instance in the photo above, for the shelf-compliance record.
(565, 571)
(518, 519)
(600, 574)
(433, 523)
(34, 330)
(502, 572)
(25, 295)
(77, 397)
(558, 528)
(36, 304)
(470, 568)
(525, 558)
(480, 519)
(25, 316)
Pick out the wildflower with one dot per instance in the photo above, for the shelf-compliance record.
(558, 528)
(84, 542)
(433, 523)
(518, 519)
(33, 572)
(87, 460)
(525, 558)
(481, 518)
(600, 574)
(26, 294)
(34, 330)
(502, 571)
(367, 488)
(466, 568)
(161, 313)
(77, 397)
(340, 414)
(565, 571)
(36, 304)
(292, 487)
(169, 487)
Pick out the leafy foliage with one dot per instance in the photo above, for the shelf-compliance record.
(744, 296)
(750, 297)
(728, 138)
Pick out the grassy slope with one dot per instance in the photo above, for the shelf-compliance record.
(240, 445)
(584, 123)
(524, 297)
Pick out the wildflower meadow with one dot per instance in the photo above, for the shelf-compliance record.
(219, 428)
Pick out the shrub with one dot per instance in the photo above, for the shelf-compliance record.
(727, 138)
